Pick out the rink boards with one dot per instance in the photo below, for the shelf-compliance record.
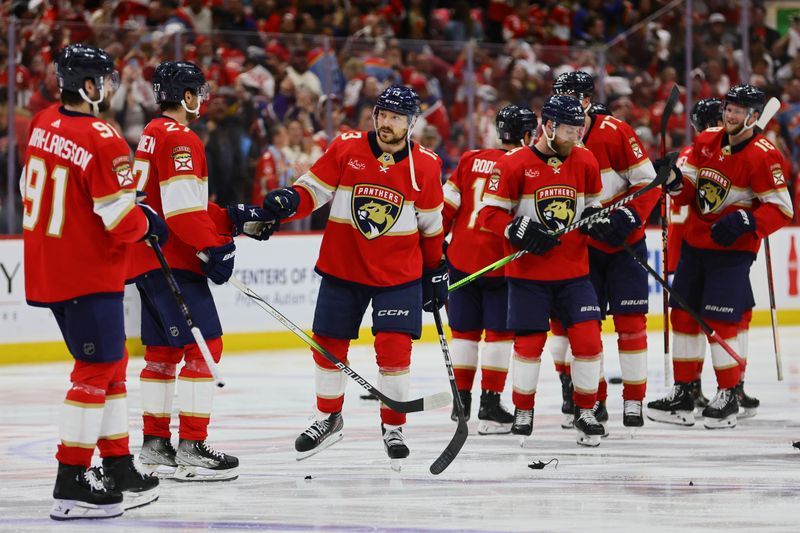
(282, 271)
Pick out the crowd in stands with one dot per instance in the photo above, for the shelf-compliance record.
(286, 77)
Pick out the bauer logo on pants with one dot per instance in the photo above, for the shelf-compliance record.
(712, 189)
(375, 209)
(555, 206)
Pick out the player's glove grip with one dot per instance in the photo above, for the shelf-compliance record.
(156, 227)
(615, 229)
(531, 236)
(674, 183)
(282, 203)
(730, 227)
(219, 267)
(253, 221)
(434, 287)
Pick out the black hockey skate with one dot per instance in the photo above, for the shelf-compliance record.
(600, 411)
(677, 407)
(523, 424)
(122, 474)
(158, 457)
(747, 404)
(319, 435)
(493, 417)
(567, 403)
(700, 401)
(796, 445)
(632, 414)
(395, 445)
(721, 410)
(589, 429)
(82, 493)
(197, 461)
(466, 403)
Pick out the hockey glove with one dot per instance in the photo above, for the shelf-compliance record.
(282, 203)
(674, 183)
(156, 227)
(434, 287)
(252, 221)
(730, 227)
(595, 229)
(615, 229)
(219, 267)
(530, 236)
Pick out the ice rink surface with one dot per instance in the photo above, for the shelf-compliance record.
(665, 478)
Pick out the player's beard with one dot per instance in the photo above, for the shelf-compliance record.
(563, 148)
(105, 104)
(387, 136)
(734, 130)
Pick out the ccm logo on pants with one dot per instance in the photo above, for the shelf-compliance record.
(393, 312)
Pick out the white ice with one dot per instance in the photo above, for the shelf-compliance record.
(666, 478)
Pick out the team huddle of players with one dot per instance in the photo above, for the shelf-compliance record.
(102, 219)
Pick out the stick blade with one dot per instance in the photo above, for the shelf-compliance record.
(451, 451)
(435, 401)
(772, 106)
(669, 107)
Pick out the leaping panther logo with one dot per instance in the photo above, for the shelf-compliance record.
(712, 189)
(555, 206)
(375, 209)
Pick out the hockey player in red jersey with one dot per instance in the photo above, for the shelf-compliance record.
(79, 216)
(170, 168)
(482, 305)
(735, 186)
(382, 244)
(621, 284)
(532, 192)
(706, 113)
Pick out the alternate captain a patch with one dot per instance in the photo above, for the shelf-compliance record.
(555, 206)
(375, 209)
(712, 189)
(182, 158)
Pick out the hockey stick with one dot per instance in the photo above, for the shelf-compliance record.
(412, 406)
(460, 437)
(669, 107)
(773, 310)
(712, 335)
(770, 108)
(176, 291)
(660, 178)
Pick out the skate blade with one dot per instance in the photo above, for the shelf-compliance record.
(568, 422)
(186, 473)
(134, 500)
(747, 412)
(729, 422)
(490, 427)
(75, 510)
(679, 418)
(591, 441)
(327, 443)
(396, 464)
(160, 471)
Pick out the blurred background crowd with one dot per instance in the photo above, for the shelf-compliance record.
(286, 77)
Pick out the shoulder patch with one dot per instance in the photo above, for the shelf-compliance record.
(121, 166)
(182, 158)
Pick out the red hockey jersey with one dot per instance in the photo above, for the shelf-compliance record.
(471, 246)
(551, 191)
(624, 167)
(381, 229)
(720, 179)
(170, 168)
(677, 220)
(79, 207)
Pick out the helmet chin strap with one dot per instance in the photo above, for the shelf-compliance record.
(196, 110)
(94, 103)
(411, 125)
(551, 138)
(748, 117)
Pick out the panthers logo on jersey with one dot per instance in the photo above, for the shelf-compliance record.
(375, 209)
(712, 189)
(555, 206)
